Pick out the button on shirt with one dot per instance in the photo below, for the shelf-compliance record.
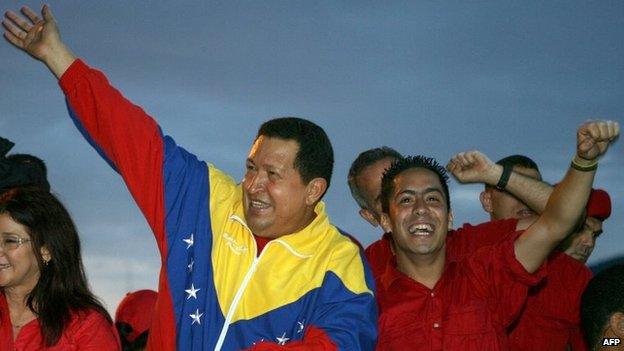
(469, 308)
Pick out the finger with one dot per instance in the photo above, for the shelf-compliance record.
(613, 129)
(18, 21)
(603, 130)
(13, 30)
(31, 14)
(472, 157)
(13, 39)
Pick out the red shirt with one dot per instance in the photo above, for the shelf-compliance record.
(469, 308)
(87, 331)
(551, 318)
(459, 243)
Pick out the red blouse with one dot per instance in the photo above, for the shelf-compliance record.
(87, 331)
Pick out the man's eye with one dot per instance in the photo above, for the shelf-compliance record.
(405, 200)
(433, 199)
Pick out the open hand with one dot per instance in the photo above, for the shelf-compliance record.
(36, 36)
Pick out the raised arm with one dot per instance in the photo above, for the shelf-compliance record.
(475, 167)
(567, 201)
(40, 38)
(120, 131)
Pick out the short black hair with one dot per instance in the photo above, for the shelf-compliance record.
(404, 163)
(364, 160)
(602, 297)
(315, 158)
(519, 161)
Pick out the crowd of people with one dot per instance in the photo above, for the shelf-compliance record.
(259, 266)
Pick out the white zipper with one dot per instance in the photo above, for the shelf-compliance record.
(239, 293)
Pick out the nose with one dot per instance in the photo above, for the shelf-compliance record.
(587, 240)
(254, 182)
(420, 207)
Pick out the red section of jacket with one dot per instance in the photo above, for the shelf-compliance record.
(121, 129)
(315, 340)
(469, 308)
(551, 318)
(87, 331)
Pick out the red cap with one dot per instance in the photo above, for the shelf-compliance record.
(137, 309)
(599, 204)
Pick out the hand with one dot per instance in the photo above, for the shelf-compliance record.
(593, 138)
(474, 167)
(38, 37)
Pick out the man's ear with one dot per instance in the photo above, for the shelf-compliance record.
(486, 200)
(616, 322)
(315, 190)
(385, 223)
(369, 217)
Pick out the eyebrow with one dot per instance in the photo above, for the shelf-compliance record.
(426, 191)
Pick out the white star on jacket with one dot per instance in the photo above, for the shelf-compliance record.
(189, 241)
(196, 317)
(192, 292)
(282, 340)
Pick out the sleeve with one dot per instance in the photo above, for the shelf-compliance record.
(130, 141)
(95, 333)
(501, 279)
(347, 311)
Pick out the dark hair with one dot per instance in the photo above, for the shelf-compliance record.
(62, 285)
(602, 297)
(404, 163)
(518, 160)
(125, 329)
(315, 157)
(364, 160)
(23, 170)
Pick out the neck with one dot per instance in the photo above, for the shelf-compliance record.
(425, 269)
(16, 297)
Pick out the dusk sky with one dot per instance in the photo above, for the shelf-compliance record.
(433, 78)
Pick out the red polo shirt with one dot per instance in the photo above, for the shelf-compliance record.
(551, 318)
(469, 308)
(87, 331)
(459, 243)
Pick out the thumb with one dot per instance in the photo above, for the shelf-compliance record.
(47, 13)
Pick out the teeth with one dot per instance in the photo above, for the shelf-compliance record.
(258, 204)
(421, 229)
(4, 266)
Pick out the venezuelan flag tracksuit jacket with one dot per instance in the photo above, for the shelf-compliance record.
(306, 290)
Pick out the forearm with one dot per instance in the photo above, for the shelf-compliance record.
(59, 59)
(562, 212)
(567, 203)
(533, 192)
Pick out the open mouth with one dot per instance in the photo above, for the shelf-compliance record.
(421, 229)
(258, 205)
(4, 266)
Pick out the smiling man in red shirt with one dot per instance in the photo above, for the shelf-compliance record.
(428, 302)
